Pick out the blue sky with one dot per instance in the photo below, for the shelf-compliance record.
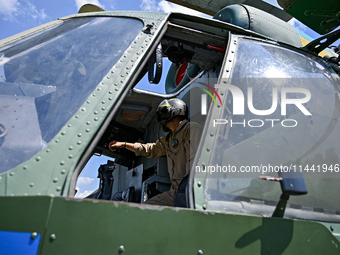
(19, 15)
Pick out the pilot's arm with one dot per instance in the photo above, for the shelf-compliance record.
(114, 145)
(149, 150)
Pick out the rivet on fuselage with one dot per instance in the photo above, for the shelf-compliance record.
(121, 248)
(53, 237)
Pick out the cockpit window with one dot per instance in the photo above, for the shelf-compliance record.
(46, 78)
(290, 121)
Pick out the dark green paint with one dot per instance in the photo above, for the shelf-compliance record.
(100, 227)
(321, 19)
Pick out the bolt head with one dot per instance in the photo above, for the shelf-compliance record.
(121, 248)
(34, 235)
(53, 237)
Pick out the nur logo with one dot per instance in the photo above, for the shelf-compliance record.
(204, 86)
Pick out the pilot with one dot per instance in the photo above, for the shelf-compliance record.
(176, 145)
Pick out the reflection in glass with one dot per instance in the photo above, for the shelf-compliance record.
(44, 79)
(255, 143)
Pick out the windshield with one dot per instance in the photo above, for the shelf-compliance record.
(290, 121)
(46, 78)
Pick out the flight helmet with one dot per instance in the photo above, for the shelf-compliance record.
(171, 108)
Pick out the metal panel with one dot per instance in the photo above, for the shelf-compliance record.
(101, 227)
(211, 7)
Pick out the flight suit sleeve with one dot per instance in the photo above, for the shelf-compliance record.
(150, 150)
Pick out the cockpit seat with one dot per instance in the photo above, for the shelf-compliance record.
(182, 197)
(127, 195)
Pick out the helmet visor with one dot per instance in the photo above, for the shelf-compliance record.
(164, 113)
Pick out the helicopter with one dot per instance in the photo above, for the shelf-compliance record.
(264, 179)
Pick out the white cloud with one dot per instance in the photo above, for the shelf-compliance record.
(8, 8)
(83, 194)
(164, 6)
(80, 3)
(170, 7)
(150, 6)
(85, 180)
(13, 9)
(35, 13)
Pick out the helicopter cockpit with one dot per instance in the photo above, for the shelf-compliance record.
(193, 60)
